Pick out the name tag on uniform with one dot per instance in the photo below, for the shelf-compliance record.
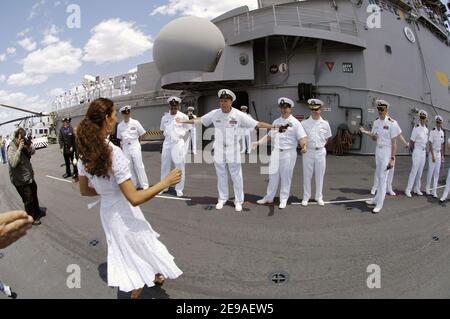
(386, 127)
(133, 128)
(218, 121)
(233, 122)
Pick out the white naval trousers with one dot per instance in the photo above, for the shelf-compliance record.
(382, 157)
(133, 153)
(174, 152)
(418, 163)
(433, 172)
(447, 187)
(246, 141)
(235, 170)
(390, 179)
(281, 167)
(192, 138)
(314, 162)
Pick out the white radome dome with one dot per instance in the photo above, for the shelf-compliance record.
(188, 44)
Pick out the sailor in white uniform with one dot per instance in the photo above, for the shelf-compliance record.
(192, 134)
(436, 146)
(318, 133)
(133, 82)
(123, 85)
(385, 131)
(130, 131)
(77, 95)
(103, 88)
(98, 90)
(227, 121)
(284, 154)
(111, 87)
(390, 179)
(418, 142)
(246, 134)
(447, 183)
(174, 144)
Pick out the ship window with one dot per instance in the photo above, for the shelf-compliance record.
(45, 131)
(41, 131)
(388, 49)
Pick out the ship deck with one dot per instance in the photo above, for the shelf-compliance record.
(325, 251)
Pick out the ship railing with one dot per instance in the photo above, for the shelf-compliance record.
(295, 16)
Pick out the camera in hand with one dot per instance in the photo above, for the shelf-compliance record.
(27, 141)
(283, 128)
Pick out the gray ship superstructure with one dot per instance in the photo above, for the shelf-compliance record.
(333, 50)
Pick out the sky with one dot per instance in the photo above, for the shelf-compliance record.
(42, 55)
(44, 51)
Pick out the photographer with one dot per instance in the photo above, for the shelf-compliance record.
(22, 175)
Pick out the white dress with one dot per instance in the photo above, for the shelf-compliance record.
(135, 255)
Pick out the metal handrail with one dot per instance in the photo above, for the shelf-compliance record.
(304, 17)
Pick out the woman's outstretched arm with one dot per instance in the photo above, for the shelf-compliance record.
(137, 198)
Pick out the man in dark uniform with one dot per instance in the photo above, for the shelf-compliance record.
(67, 147)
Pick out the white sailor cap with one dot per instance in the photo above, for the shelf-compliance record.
(423, 113)
(173, 100)
(439, 118)
(382, 103)
(285, 100)
(191, 108)
(125, 109)
(224, 93)
(315, 104)
(244, 107)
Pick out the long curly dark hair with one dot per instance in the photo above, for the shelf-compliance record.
(93, 151)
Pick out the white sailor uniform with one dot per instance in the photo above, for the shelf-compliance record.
(419, 136)
(246, 137)
(283, 157)
(129, 133)
(226, 149)
(385, 130)
(192, 137)
(174, 145)
(436, 139)
(447, 184)
(314, 160)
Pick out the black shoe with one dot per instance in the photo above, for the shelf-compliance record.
(67, 175)
(43, 211)
(75, 176)
(37, 222)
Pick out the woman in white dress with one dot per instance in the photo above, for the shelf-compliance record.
(135, 255)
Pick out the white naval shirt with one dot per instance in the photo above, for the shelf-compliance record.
(386, 130)
(130, 132)
(437, 138)
(174, 131)
(419, 136)
(318, 132)
(289, 138)
(226, 132)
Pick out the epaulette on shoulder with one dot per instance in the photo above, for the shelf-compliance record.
(390, 120)
(417, 125)
(434, 129)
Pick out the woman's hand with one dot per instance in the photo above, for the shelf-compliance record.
(173, 178)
